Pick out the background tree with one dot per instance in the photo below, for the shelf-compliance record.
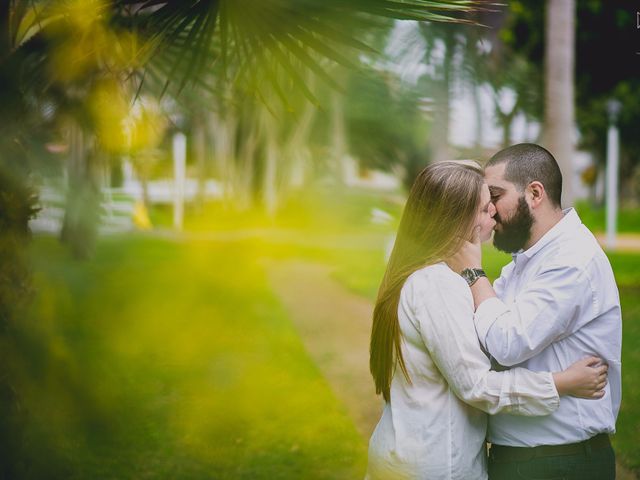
(387, 126)
(559, 112)
(606, 66)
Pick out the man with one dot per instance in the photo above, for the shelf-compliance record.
(555, 303)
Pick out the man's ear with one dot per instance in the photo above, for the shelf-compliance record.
(536, 193)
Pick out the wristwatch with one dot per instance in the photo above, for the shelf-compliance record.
(471, 275)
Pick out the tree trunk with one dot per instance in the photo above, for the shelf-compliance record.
(200, 154)
(81, 217)
(222, 130)
(559, 89)
(144, 182)
(442, 114)
(296, 148)
(16, 208)
(245, 173)
(506, 131)
(477, 110)
(269, 177)
(5, 31)
(339, 137)
(506, 122)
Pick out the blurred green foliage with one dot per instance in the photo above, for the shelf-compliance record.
(607, 42)
(387, 127)
(17, 206)
(595, 217)
(172, 360)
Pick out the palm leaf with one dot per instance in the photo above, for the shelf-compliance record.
(271, 33)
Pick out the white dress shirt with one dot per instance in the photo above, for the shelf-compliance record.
(430, 428)
(558, 303)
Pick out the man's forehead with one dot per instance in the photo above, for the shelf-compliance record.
(494, 176)
(495, 171)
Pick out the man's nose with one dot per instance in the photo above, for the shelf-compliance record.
(492, 209)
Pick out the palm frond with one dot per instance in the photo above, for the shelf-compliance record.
(272, 34)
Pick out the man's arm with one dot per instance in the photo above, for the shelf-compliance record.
(481, 291)
(444, 313)
(544, 311)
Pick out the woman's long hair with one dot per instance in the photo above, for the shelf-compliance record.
(438, 216)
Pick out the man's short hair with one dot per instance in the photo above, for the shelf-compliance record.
(528, 162)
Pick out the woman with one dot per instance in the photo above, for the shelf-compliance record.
(425, 357)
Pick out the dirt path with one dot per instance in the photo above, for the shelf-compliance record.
(334, 325)
(625, 242)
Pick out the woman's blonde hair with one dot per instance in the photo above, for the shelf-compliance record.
(438, 216)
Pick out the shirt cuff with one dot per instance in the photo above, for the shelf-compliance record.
(486, 315)
(540, 395)
(556, 398)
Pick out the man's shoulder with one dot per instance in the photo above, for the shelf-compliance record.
(575, 249)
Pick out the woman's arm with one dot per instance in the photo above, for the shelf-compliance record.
(443, 306)
(585, 378)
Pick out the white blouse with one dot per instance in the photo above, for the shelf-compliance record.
(435, 427)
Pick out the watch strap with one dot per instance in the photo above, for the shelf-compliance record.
(471, 275)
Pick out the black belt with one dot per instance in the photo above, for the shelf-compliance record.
(501, 453)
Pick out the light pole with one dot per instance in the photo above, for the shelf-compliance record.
(613, 149)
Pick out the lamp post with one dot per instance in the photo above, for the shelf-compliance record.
(613, 148)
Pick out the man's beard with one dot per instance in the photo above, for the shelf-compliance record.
(516, 231)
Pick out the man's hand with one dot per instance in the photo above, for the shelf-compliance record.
(469, 255)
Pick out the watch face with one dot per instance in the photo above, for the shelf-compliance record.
(472, 274)
(468, 275)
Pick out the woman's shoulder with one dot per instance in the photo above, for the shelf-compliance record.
(435, 285)
(438, 275)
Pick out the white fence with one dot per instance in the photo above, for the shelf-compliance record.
(115, 215)
(118, 204)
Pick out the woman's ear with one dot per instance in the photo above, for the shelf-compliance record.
(536, 193)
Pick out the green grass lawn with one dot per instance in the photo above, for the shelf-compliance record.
(595, 218)
(626, 267)
(172, 361)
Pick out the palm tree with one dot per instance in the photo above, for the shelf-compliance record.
(264, 48)
(559, 114)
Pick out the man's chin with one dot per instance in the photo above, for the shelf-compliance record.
(499, 246)
(509, 244)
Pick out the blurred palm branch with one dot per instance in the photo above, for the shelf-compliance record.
(207, 42)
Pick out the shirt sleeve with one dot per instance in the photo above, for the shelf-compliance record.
(546, 310)
(444, 311)
(498, 284)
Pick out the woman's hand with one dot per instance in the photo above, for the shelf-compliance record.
(585, 378)
(469, 255)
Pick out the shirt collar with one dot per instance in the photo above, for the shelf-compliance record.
(569, 222)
